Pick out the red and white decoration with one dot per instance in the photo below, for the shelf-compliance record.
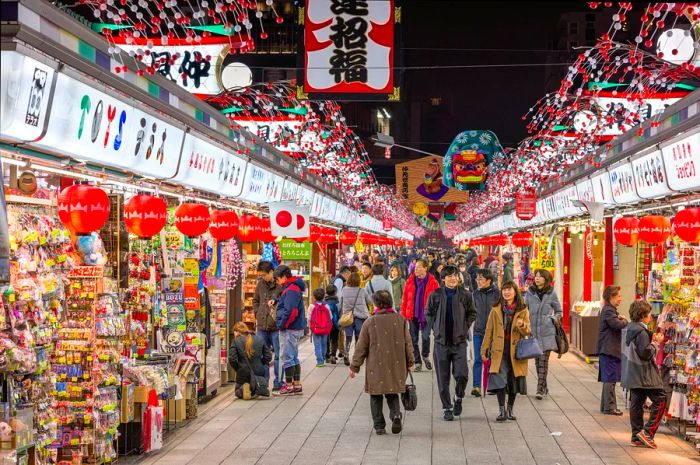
(83, 208)
(289, 220)
(145, 215)
(686, 224)
(192, 219)
(223, 225)
(626, 230)
(654, 229)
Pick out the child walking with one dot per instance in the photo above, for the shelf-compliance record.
(333, 303)
(321, 324)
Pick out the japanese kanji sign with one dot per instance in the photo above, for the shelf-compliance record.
(349, 47)
(292, 250)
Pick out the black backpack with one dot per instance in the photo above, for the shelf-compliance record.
(562, 340)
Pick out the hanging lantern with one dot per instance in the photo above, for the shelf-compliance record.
(145, 215)
(522, 239)
(626, 230)
(265, 234)
(654, 229)
(327, 236)
(83, 208)
(192, 219)
(686, 224)
(398, 242)
(314, 233)
(224, 225)
(348, 237)
(246, 228)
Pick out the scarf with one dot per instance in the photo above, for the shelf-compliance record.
(508, 314)
(419, 309)
(381, 311)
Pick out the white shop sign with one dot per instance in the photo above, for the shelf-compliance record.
(305, 196)
(649, 176)
(316, 205)
(283, 134)
(91, 125)
(602, 190)
(622, 183)
(262, 186)
(682, 163)
(210, 168)
(289, 190)
(584, 190)
(25, 87)
(328, 209)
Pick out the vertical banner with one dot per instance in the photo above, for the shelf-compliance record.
(4, 239)
(587, 263)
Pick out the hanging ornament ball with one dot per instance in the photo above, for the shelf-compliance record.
(686, 224)
(223, 225)
(654, 229)
(626, 230)
(192, 219)
(145, 215)
(246, 228)
(83, 208)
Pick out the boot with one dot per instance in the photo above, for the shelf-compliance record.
(509, 413)
(501, 414)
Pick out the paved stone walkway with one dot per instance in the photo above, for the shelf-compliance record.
(331, 424)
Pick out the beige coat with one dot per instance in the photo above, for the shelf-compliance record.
(494, 339)
(385, 344)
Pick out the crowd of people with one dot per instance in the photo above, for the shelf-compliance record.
(397, 311)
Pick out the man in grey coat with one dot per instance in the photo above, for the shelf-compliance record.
(485, 297)
(378, 282)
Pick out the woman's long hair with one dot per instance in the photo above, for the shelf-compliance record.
(519, 302)
(242, 328)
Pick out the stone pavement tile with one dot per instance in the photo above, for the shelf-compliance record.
(416, 438)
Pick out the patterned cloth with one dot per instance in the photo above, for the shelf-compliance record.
(542, 364)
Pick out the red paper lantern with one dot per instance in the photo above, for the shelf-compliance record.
(626, 230)
(522, 239)
(246, 228)
(654, 229)
(265, 234)
(224, 225)
(686, 224)
(145, 215)
(328, 236)
(315, 233)
(83, 208)
(192, 219)
(347, 237)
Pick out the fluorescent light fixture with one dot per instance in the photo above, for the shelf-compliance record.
(13, 162)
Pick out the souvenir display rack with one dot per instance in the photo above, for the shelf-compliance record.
(250, 264)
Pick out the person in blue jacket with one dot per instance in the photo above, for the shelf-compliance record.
(291, 321)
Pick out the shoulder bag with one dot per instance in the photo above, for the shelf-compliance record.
(410, 396)
(527, 348)
(348, 318)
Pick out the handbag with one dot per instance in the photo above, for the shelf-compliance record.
(527, 348)
(348, 318)
(562, 340)
(258, 384)
(410, 396)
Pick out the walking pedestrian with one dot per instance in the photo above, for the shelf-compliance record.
(320, 324)
(508, 322)
(291, 321)
(334, 305)
(385, 344)
(250, 357)
(398, 284)
(508, 271)
(266, 293)
(485, 297)
(356, 300)
(609, 349)
(473, 271)
(366, 270)
(340, 279)
(545, 312)
(641, 375)
(450, 313)
(377, 282)
(419, 286)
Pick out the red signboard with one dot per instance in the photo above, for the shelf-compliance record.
(348, 47)
(526, 204)
(386, 224)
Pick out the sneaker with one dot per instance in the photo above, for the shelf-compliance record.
(333, 361)
(448, 415)
(457, 409)
(636, 443)
(297, 388)
(321, 365)
(539, 396)
(616, 412)
(419, 367)
(380, 431)
(476, 392)
(276, 387)
(396, 425)
(428, 365)
(346, 361)
(646, 439)
(286, 390)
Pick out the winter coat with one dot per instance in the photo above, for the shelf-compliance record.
(385, 344)
(508, 272)
(610, 331)
(378, 283)
(262, 356)
(484, 300)
(463, 315)
(397, 287)
(494, 340)
(639, 369)
(408, 302)
(334, 304)
(339, 283)
(265, 292)
(290, 307)
(472, 272)
(401, 265)
(358, 297)
(542, 314)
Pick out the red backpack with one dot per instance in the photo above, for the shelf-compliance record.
(321, 322)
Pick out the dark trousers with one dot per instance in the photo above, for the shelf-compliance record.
(333, 337)
(424, 335)
(658, 405)
(376, 405)
(608, 400)
(451, 358)
(542, 365)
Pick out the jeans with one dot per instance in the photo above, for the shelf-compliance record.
(425, 339)
(478, 362)
(320, 347)
(376, 406)
(451, 358)
(355, 329)
(290, 354)
(272, 341)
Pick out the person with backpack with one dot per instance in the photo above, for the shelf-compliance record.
(291, 321)
(250, 357)
(320, 324)
(333, 304)
(266, 293)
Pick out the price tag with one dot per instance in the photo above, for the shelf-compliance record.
(61, 258)
(86, 375)
(89, 358)
(50, 262)
(55, 233)
(83, 295)
(74, 379)
(42, 240)
(91, 295)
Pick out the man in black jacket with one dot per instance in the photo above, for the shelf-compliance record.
(450, 312)
(266, 293)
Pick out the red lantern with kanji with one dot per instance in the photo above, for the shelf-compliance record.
(223, 225)
(246, 228)
(265, 234)
(686, 224)
(522, 239)
(145, 215)
(192, 219)
(83, 208)
(654, 229)
(626, 230)
(347, 237)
